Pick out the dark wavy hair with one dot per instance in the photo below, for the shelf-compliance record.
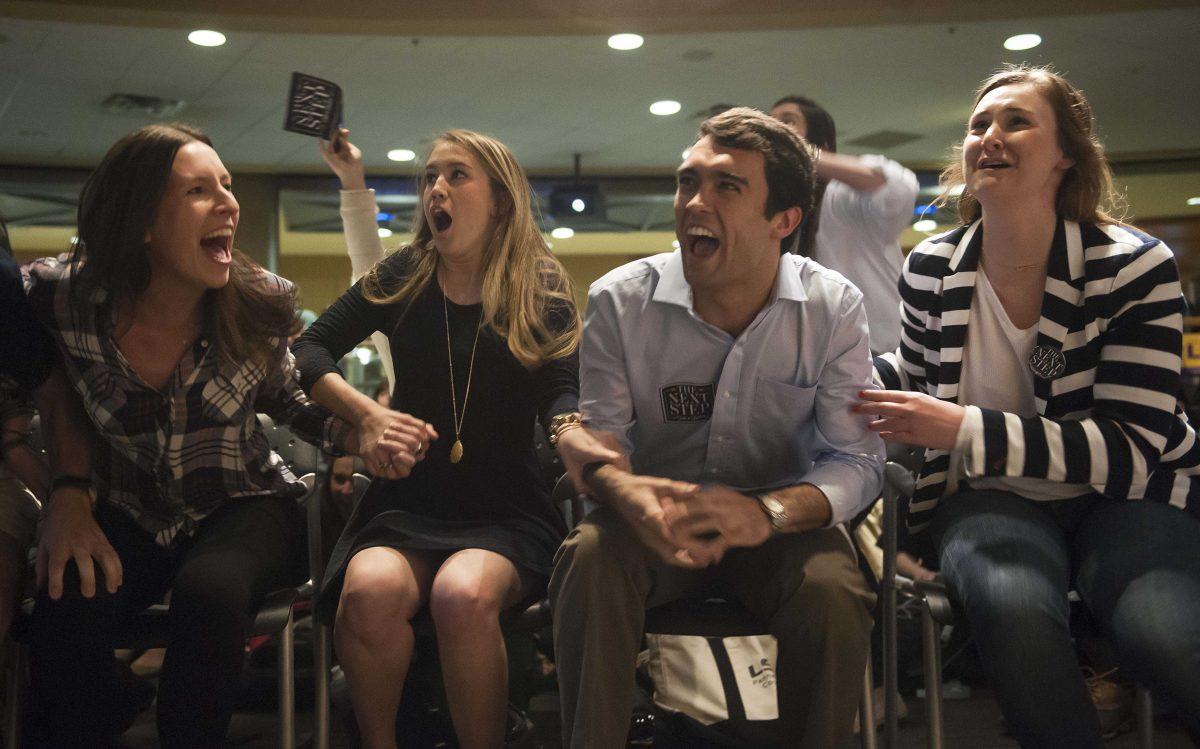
(117, 206)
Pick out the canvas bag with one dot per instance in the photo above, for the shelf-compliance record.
(721, 690)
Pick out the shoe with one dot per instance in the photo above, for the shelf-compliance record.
(951, 690)
(1112, 698)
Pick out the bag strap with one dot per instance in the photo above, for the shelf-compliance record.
(733, 697)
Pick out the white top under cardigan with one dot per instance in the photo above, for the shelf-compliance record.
(996, 375)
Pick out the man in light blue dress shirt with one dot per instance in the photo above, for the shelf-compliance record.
(725, 372)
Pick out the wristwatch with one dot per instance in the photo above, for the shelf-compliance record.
(773, 508)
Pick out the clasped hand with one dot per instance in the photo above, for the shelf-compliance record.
(391, 442)
(688, 525)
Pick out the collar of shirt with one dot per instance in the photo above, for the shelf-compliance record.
(673, 288)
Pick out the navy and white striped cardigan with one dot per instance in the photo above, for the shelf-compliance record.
(1114, 309)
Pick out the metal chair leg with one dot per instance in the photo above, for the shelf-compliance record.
(931, 631)
(14, 690)
(1144, 708)
(887, 587)
(866, 710)
(287, 686)
(321, 690)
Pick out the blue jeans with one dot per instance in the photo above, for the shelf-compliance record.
(1136, 566)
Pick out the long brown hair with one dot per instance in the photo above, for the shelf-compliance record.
(522, 280)
(244, 319)
(1086, 192)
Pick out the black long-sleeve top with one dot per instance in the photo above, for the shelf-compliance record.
(498, 478)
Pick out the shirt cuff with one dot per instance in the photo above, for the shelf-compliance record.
(843, 488)
(970, 434)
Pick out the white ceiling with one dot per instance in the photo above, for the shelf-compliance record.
(551, 96)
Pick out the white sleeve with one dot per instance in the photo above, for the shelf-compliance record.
(885, 211)
(358, 211)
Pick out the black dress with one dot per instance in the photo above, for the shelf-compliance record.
(496, 497)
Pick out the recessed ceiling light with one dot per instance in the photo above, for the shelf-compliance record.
(384, 232)
(665, 107)
(625, 42)
(1194, 201)
(401, 154)
(206, 38)
(563, 232)
(926, 225)
(1022, 41)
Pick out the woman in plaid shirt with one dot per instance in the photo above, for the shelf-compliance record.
(174, 341)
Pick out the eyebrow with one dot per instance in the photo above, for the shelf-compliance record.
(436, 164)
(692, 172)
(1009, 108)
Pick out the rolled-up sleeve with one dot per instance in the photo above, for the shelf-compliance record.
(848, 458)
(604, 395)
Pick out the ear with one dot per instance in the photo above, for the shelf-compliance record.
(786, 221)
(500, 203)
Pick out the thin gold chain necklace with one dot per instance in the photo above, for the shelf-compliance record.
(456, 450)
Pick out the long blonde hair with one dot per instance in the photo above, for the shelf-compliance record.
(523, 282)
(1086, 193)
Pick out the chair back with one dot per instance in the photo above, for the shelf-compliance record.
(318, 545)
(299, 456)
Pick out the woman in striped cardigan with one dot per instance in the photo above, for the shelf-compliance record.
(1039, 367)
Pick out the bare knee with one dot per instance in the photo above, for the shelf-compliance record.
(378, 598)
(464, 605)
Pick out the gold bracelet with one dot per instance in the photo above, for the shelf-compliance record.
(563, 423)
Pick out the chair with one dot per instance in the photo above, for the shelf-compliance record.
(938, 610)
(148, 629)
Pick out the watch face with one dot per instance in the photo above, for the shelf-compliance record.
(774, 506)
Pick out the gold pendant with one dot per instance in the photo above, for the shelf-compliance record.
(456, 451)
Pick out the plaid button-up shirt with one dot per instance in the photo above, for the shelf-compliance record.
(171, 457)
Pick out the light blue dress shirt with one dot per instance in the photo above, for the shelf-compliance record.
(766, 409)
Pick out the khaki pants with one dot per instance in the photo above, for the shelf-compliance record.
(807, 588)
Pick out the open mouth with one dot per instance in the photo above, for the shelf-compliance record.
(701, 242)
(440, 219)
(219, 245)
(994, 164)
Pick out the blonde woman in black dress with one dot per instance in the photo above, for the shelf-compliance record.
(483, 335)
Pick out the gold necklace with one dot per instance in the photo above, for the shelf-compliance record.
(456, 450)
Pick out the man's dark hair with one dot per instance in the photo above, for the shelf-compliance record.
(789, 166)
(819, 129)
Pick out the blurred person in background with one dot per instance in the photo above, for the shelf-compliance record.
(863, 204)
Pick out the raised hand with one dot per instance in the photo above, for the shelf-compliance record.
(344, 158)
